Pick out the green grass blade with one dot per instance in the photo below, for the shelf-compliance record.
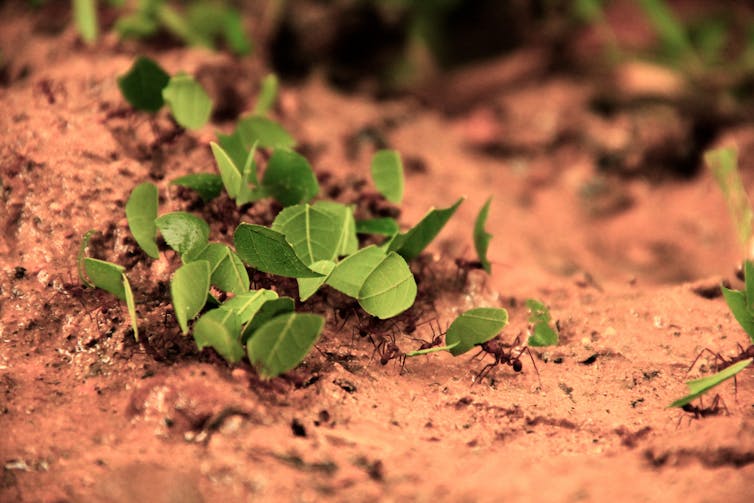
(482, 237)
(724, 165)
(283, 342)
(141, 212)
(698, 387)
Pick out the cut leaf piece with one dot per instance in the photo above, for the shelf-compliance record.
(141, 212)
(268, 251)
(736, 301)
(411, 243)
(349, 242)
(349, 274)
(188, 101)
(389, 289)
(265, 132)
(387, 173)
(220, 330)
(130, 305)
(142, 85)
(267, 311)
(383, 226)
(289, 178)
(309, 286)
(233, 146)
(698, 387)
(474, 327)
(189, 288)
(542, 333)
(208, 185)
(723, 162)
(85, 15)
(106, 275)
(227, 271)
(267, 95)
(247, 304)
(229, 172)
(482, 237)
(183, 231)
(283, 342)
(313, 233)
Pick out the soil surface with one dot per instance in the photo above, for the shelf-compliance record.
(628, 257)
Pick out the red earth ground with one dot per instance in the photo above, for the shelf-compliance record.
(628, 264)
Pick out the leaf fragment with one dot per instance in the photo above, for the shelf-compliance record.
(189, 289)
(208, 185)
(350, 273)
(268, 251)
(141, 212)
(411, 243)
(389, 289)
(289, 178)
(482, 237)
(188, 101)
(387, 174)
(106, 275)
(698, 387)
(283, 342)
(142, 85)
(475, 326)
(265, 132)
(542, 333)
(183, 231)
(220, 329)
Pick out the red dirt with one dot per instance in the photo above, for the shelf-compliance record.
(88, 414)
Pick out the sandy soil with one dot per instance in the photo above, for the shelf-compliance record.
(628, 264)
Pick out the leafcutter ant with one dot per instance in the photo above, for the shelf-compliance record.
(700, 411)
(722, 363)
(504, 354)
(388, 350)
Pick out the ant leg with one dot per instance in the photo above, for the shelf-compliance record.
(717, 402)
(526, 348)
(705, 350)
(481, 351)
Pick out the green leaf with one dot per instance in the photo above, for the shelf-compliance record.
(229, 171)
(81, 256)
(268, 251)
(349, 242)
(142, 85)
(208, 185)
(384, 226)
(724, 165)
(188, 101)
(283, 342)
(235, 35)
(749, 284)
(189, 288)
(130, 305)
(233, 147)
(136, 25)
(220, 330)
(289, 178)
(542, 333)
(313, 233)
(737, 304)
(183, 231)
(698, 387)
(669, 29)
(247, 304)
(85, 15)
(474, 327)
(141, 212)
(106, 275)
(268, 310)
(436, 349)
(387, 173)
(267, 95)
(411, 243)
(227, 271)
(309, 286)
(264, 132)
(349, 274)
(389, 289)
(177, 24)
(482, 237)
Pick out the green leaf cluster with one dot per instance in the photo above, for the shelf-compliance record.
(542, 332)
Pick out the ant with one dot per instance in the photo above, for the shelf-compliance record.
(504, 353)
(700, 411)
(436, 336)
(722, 363)
(389, 350)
